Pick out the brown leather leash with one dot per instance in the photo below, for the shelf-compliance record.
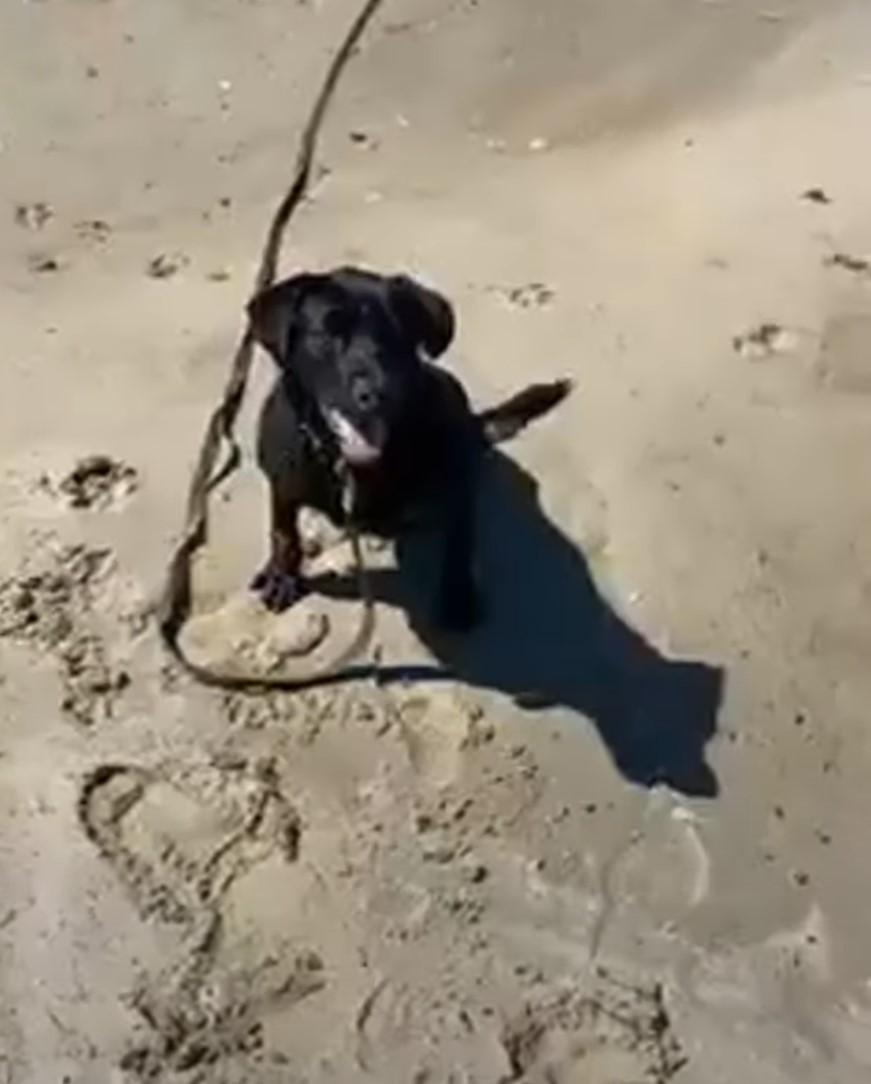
(176, 601)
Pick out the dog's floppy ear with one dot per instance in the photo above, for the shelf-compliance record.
(425, 316)
(273, 314)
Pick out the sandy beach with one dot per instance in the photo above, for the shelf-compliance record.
(625, 842)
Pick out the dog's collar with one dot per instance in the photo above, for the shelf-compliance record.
(317, 434)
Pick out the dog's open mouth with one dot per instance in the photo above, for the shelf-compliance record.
(357, 448)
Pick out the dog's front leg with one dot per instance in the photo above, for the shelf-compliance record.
(458, 605)
(279, 583)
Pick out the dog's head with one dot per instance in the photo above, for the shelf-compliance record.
(354, 341)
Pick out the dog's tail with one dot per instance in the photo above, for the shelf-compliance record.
(505, 420)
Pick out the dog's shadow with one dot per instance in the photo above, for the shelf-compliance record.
(549, 638)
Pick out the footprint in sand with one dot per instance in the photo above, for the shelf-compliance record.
(437, 728)
(614, 1031)
(54, 605)
(96, 482)
(242, 637)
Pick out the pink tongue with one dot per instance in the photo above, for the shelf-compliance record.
(355, 447)
(361, 453)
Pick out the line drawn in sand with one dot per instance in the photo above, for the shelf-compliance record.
(177, 842)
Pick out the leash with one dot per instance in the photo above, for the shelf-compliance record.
(176, 601)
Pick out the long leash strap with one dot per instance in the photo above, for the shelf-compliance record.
(176, 601)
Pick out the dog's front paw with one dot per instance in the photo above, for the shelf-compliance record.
(277, 588)
(459, 610)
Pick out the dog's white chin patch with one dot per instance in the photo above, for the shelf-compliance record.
(355, 447)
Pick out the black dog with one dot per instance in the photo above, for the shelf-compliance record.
(358, 393)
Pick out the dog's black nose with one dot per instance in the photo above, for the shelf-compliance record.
(364, 395)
